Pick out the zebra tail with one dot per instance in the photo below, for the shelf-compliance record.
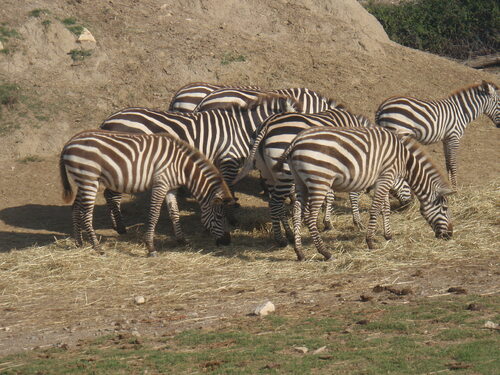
(248, 164)
(282, 159)
(67, 190)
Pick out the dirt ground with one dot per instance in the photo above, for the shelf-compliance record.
(145, 50)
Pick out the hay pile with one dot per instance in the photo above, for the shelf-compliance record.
(60, 285)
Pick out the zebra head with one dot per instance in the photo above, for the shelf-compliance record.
(492, 103)
(435, 211)
(213, 218)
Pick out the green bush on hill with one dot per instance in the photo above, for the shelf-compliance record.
(454, 28)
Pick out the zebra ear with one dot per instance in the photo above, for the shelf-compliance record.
(487, 88)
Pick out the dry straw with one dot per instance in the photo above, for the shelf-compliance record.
(59, 283)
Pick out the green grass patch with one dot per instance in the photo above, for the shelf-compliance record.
(72, 25)
(79, 54)
(396, 339)
(6, 33)
(231, 57)
(38, 12)
(9, 94)
(30, 159)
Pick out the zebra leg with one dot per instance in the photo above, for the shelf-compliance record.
(87, 204)
(311, 219)
(356, 216)
(157, 196)
(173, 211)
(77, 219)
(297, 224)
(113, 202)
(386, 212)
(327, 220)
(379, 201)
(277, 212)
(450, 154)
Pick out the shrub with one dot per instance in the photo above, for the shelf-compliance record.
(455, 28)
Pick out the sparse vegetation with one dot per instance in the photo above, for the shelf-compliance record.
(455, 28)
(30, 159)
(79, 54)
(346, 342)
(72, 25)
(231, 57)
(6, 33)
(9, 94)
(38, 12)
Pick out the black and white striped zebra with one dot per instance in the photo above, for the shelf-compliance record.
(222, 135)
(131, 163)
(203, 96)
(273, 137)
(356, 159)
(189, 96)
(430, 121)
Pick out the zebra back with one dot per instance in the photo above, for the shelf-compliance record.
(129, 163)
(189, 96)
(430, 121)
(293, 123)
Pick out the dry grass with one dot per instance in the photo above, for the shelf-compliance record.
(60, 284)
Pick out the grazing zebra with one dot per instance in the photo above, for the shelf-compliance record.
(190, 97)
(131, 163)
(355, 159)
(273, 137)
(430, 121)
(222, 135)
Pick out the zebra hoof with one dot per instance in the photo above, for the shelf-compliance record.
(300, 256)
(181, 241)
(327, 226)
(388, 237)
(327, 255)
(153, 254)
(282, 242)
(371, 244)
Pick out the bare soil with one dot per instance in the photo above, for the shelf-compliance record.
(145, 51)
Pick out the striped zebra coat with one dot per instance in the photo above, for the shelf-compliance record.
(430, 121)
(272, 139)
(352, 159)
(222, 135)
(131, 163)
(201, 96)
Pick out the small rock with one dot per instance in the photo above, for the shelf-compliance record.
(264, 309)
(301, 349)
(135, 333)
(139, 300)
(86, 36)
(365, 298)
(491, 325)
(319, 350)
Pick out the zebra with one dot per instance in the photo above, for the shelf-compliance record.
(131, 163)
(355, 159)
(222, 135)
(274, 135)
(190, 97)
(430, 121)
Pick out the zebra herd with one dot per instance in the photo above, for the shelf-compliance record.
(305, 146)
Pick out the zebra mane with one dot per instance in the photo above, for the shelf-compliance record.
(478, 87)
(416, 149)
(198, 155)
(264, 98)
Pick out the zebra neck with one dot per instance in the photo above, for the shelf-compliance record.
(421, 174)
(469, 106)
